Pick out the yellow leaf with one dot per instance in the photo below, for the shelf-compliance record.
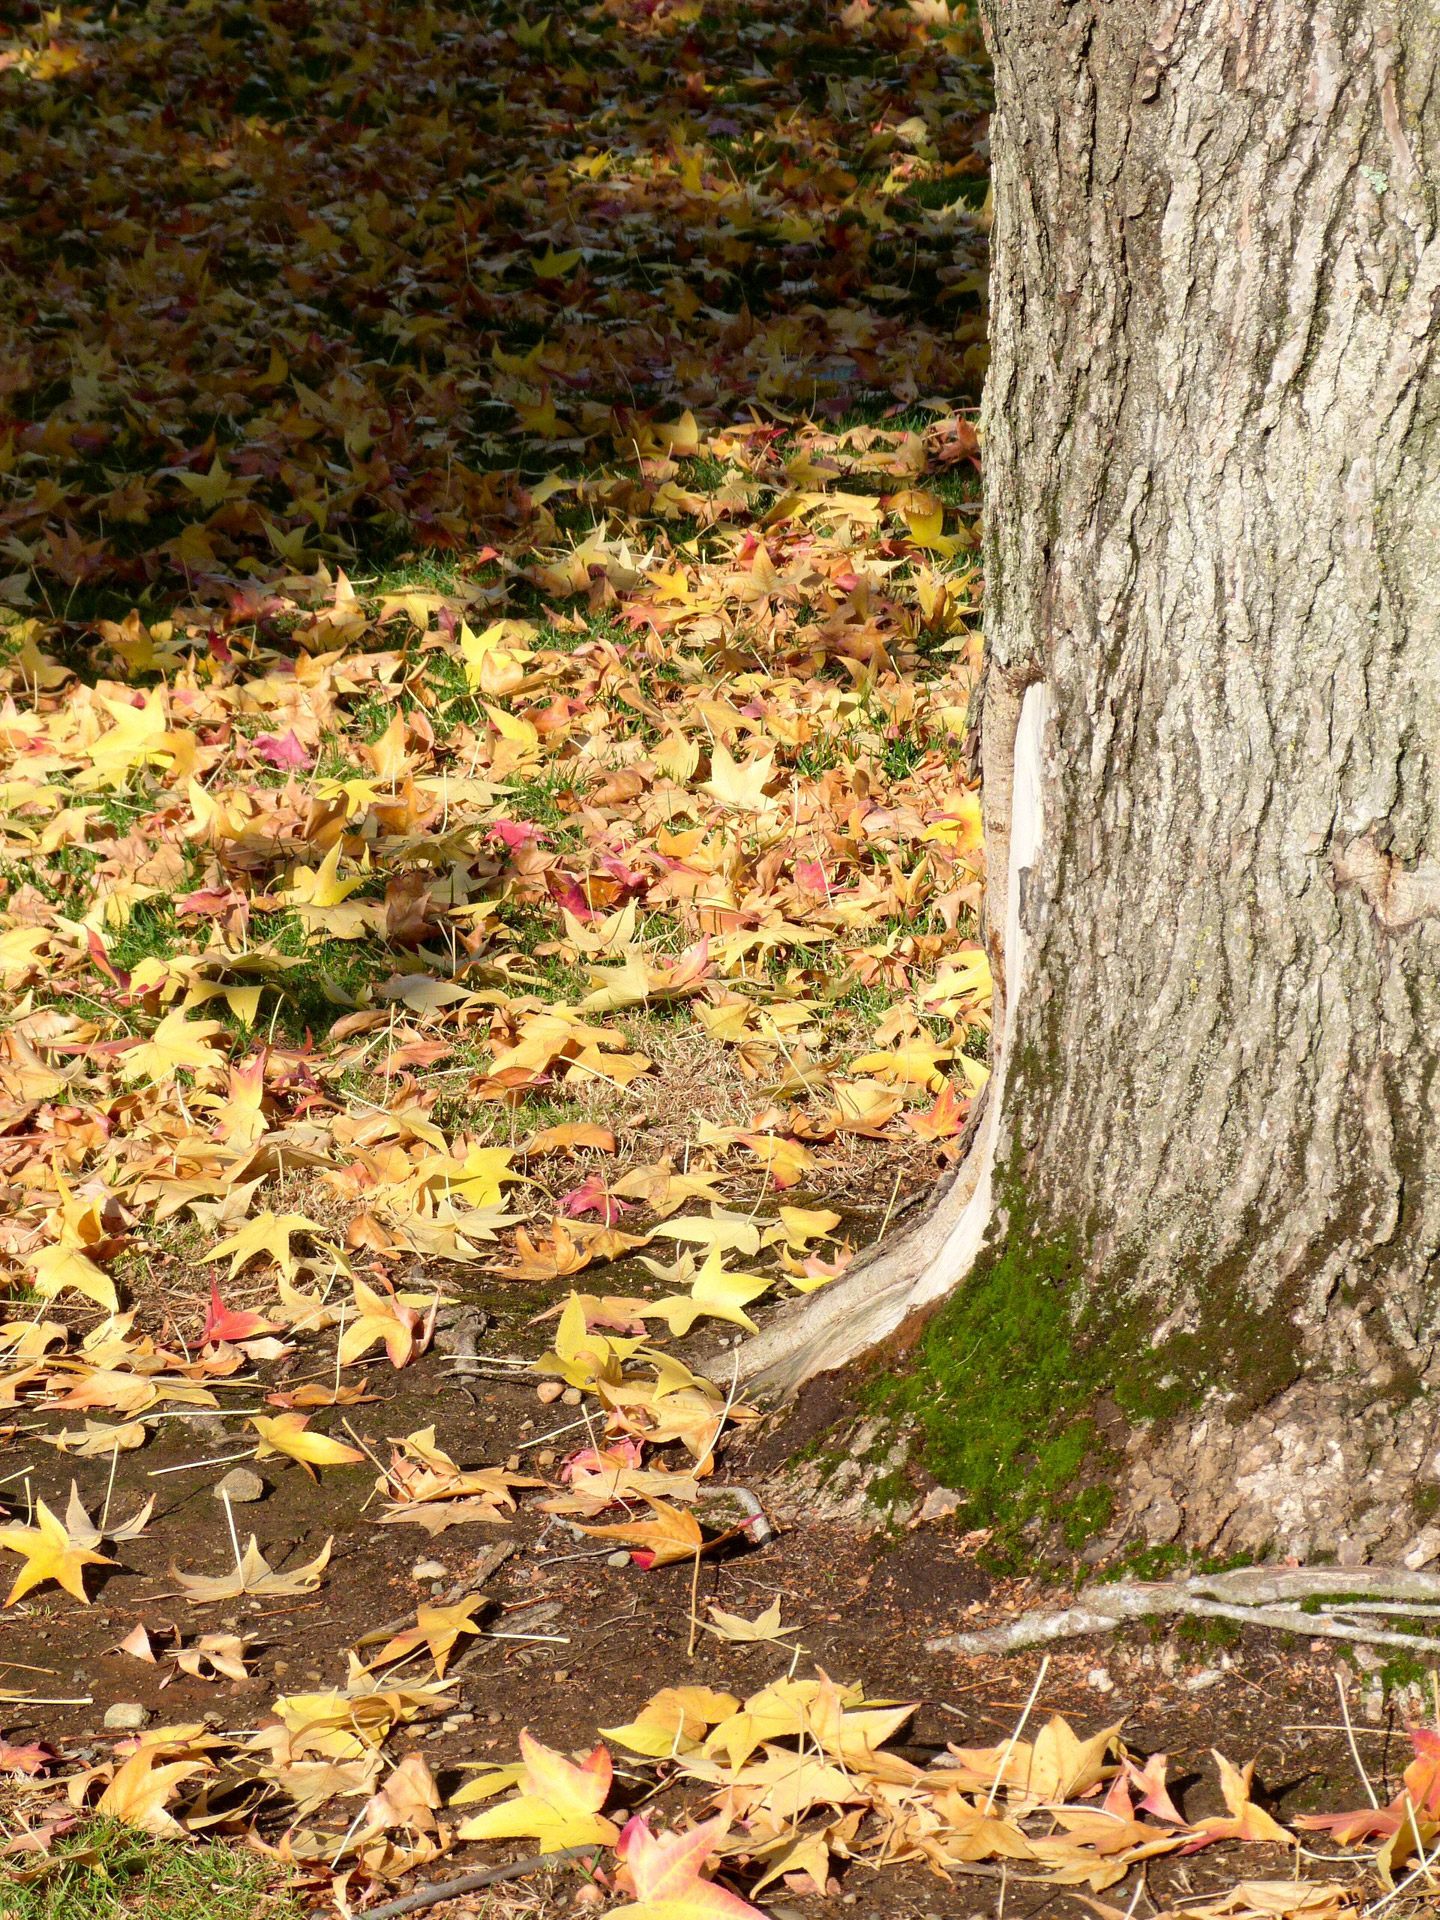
(437, 1628)
(672, 1535)
(803, 1224)
(520, 732)
(267, 1233)
(714, 1293)
(254, 1576)
(287, 1433)
(177, 1044)
(739, 785)
(489, 662)
(914, 1064)
(19, 949)
(974, 1071)
(210, 490)
(94, 1440)
(961, 827)
(50, 1554)
(718, 1228)
(927, 531)
(486, 1785)
(387, 754)
(559, 1805)
(558, 266)
(134, 740)
(736, 1628)
(240, 1120)
(138, 1794)
(53, 1269)
(674, 1721)
(379, 1317)
(322, 886)
(783, 1159)
(475, 1179)
(678, 758)
(683, 436)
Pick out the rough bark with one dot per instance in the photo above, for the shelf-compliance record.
(1212, 462)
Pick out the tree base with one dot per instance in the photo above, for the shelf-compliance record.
(1324, 1469)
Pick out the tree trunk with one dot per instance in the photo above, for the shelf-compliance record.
(1212, 467)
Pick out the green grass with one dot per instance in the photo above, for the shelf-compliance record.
(108, 1872)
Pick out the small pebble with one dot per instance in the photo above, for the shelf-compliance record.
(1098, 1679)
(429, 1570)
(571, 1397)
(126, 1716)
(494, 1717)
(545, 1457)
(560, 1676)
(280, 1668)
(242, 1485)
(620, 1559)
(549, 1390)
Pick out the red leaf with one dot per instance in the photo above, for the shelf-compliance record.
(32, 1759)
(281, 749)
(222, 1324)
(590, 1197)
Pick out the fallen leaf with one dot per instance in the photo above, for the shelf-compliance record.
(288, 1433)
(254, 1576)
(559, 1803)
(666, 1875)
(735, 1627)
(50, 1554)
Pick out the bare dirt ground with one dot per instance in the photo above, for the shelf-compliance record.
(862, 1603)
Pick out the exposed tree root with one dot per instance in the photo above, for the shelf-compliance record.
(1248, 1595)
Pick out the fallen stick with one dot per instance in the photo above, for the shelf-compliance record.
(1255, 1596)
(470, 1882)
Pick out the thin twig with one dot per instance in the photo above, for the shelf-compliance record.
(1350, 1736)
(234, 1537)
(110, 1487)
(189, 1466)
(694, 1601)
(470, 1882)
(390, 1479)
(1015, 1736)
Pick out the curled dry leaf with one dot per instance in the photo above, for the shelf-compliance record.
(254, 1576)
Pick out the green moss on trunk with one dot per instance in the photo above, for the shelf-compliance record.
(1023, 1386)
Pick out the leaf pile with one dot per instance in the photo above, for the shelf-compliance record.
(801, 1776)
(488, 648)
